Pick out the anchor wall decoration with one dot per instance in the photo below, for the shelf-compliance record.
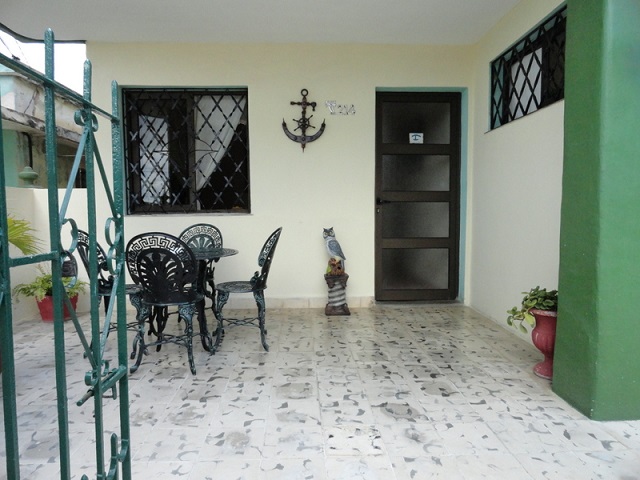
(304, 122)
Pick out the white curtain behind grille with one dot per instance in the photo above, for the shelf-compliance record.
(154, 158)
(214, 132)
(527, 83)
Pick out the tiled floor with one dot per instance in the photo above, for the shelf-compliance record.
(389, 393)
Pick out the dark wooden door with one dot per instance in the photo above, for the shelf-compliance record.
(417, 196)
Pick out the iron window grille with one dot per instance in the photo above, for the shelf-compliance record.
(530, 74)
(186, 150)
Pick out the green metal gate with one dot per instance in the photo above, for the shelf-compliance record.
(103, 380)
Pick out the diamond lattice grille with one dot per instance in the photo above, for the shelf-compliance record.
(529, 75)
(187, 150)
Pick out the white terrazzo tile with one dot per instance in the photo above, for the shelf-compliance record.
(288, 412)
(338, 374)
(582, 466)
(390, 392)
(170, 445)
(295, 390)
(490, 466)
(294, 441)
(284, 468)
(624, 465)
(627, 433)
(162, 470)
(304, 344)
(551, 437)
(346, 409)
(353, 440)
(223, 440)
(412, 440)
(360, 468)
(400, 411)
(469, 438)
(426, 468)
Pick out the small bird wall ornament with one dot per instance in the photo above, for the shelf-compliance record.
(337, 257)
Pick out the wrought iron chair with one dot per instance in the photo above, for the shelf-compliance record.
(105, 280)
(167, 271)
(202, 236)
(256, 285)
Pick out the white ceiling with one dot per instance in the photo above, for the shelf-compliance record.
(248, 21)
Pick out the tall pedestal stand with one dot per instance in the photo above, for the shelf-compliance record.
(337, 304)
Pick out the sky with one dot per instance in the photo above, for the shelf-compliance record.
(68, 59)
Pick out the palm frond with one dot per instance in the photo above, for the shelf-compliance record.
(22, 236)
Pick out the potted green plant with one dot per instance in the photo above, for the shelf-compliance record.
(539, 309)
(535, 299)
(41, 288)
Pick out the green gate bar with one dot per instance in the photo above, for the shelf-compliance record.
(101, 379)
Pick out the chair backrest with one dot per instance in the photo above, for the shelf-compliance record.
(201, 236)
(264, 260)
(164, 266)
(105, 279)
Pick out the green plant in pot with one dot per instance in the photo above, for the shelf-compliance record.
(539, 309)
(23, 236)
(41, 288)
(538, 299)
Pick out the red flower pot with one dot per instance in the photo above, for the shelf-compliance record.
(46, 308)
(544, 338)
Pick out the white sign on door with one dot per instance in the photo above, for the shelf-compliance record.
(416, 138)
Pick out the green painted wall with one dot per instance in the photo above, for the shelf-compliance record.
(597, 364)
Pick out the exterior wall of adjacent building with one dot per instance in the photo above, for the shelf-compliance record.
(23, 145)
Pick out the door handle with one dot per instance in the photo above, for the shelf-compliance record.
(379, 201)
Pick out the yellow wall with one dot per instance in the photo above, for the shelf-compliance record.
(21, 204)
(516, 177)
(332, 182)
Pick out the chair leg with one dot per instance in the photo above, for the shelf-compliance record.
(139, 347)
(106, 299)
(221, 300)
(210, 281)
(259, 297)
(136, 301)
(159, 315)
(186, 312)
(205, 336)
(209, 293)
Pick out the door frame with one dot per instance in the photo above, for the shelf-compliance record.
(464, 152)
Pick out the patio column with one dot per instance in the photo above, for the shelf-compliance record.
(597, 363)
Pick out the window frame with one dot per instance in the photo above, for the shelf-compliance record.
(549, 36)
(182, 196)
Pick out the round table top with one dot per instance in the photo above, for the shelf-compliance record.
(213, 253)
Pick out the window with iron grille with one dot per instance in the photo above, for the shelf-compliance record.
(186, 150)
(530, 74)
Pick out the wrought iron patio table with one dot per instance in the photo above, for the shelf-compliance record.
(206, 257)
